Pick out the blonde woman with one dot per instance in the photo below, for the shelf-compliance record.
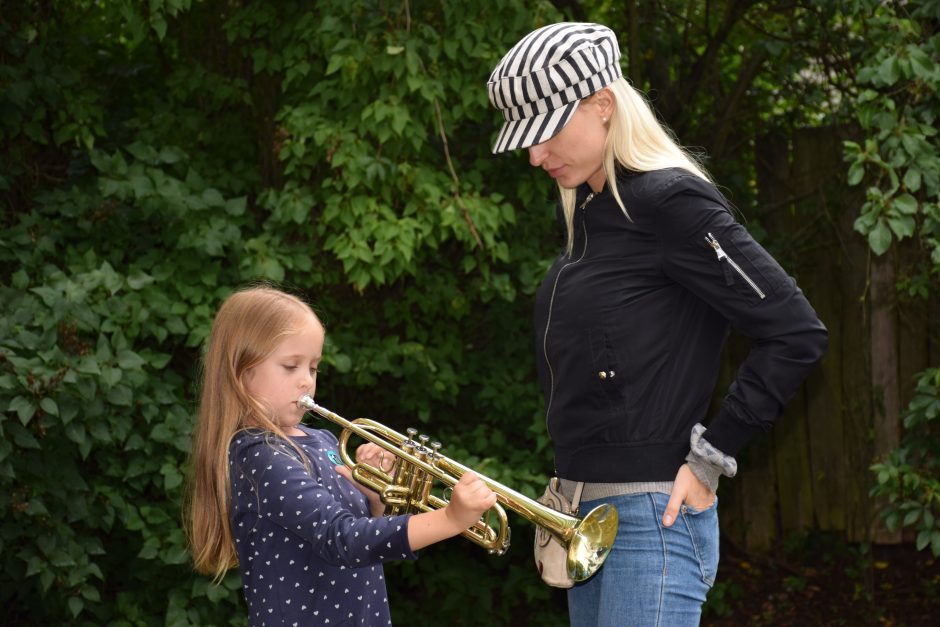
(270, 495)
(631, 319)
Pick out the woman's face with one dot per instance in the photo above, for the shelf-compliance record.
(576, 154)
(287, 374)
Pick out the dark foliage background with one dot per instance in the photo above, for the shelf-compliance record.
(156, 155)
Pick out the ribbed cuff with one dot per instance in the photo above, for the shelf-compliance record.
(706, 462)
(705, 472)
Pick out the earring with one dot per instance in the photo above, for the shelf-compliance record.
(605, 120)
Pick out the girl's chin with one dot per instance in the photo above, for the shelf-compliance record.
(289, 425)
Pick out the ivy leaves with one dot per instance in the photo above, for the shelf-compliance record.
(896, 109)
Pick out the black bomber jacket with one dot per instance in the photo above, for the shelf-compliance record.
(629, 330)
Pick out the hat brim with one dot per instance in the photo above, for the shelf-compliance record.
(540, 128)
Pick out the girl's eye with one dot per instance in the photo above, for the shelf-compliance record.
(290, 367)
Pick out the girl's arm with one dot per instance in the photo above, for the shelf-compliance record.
(471, 497)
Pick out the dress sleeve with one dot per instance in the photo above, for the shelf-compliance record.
(711, 255)
(314, 503)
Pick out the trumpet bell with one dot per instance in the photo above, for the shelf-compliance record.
(592, 542)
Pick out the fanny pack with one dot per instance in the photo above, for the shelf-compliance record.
(551, 558)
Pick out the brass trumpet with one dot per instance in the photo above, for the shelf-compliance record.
(407, 489)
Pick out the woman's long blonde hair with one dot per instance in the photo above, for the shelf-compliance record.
(248, 327)
(637, 141)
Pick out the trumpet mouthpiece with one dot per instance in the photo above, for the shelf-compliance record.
(306, 401)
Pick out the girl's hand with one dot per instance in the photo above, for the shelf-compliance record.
(470, 498)
(689, 490)
(377, 457)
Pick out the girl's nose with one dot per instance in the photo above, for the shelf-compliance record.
(537, 154)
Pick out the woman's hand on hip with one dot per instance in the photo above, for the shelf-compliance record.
(689, 490)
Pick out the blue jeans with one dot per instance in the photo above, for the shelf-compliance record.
(654, 576)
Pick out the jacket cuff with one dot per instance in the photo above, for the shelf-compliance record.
(728, 434)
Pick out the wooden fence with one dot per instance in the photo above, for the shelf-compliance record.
(812, 470)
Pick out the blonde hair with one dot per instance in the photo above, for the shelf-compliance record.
(637, 141)
(248, 327)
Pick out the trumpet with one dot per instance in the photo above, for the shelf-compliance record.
(406, 488)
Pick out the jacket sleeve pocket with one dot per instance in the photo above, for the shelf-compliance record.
(743, 263)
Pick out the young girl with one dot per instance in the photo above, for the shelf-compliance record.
(267, 493)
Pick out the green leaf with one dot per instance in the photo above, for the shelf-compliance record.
(856, 173)
(213, 198)
(879, 239)
(334, 64)
(49, 406)
(912, 179)
(342, 363)
(23, 407)
(76, 605)
(921, 64)
(23, 438)
(35, 507)
(911, 517)
(129, 360)
(121, 395)
(902, 227)
(236, 206)
(889, 71)
(91, 593)
(137, 280)
(906, 204)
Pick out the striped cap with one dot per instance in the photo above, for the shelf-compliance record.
(538, 84)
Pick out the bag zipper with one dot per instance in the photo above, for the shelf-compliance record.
(710, 239)
(548, 320)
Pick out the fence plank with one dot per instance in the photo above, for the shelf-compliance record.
(819, 184)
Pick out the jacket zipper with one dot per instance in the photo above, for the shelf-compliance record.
(723, 255)
(548, 320)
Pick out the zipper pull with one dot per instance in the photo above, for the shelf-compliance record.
(589, 198)
(714, 244)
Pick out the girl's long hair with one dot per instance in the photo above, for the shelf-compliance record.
(636, 141)
(248, 327)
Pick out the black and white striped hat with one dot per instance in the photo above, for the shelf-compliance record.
(540, 81)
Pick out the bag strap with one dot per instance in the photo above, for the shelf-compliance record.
(576, 498)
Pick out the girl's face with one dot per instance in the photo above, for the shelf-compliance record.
(287, 374)
(576, 154)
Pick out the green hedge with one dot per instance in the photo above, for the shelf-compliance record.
(155, 155)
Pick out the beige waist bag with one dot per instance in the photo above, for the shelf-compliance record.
(551, 558)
